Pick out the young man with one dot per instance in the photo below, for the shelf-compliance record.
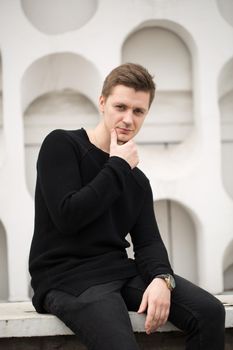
(89, 196)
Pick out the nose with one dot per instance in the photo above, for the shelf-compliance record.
(128, 117)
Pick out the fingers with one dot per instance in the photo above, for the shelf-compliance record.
(143, 305)
(156, 317)
(126, 151)
(159, 319)
(113, 137)
(150, 319)
(156, 314)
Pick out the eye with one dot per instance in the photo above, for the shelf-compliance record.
(138, 112)
(120, 107)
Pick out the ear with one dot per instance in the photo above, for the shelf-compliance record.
(102, 100)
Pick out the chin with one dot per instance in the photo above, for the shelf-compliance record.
(123, 139)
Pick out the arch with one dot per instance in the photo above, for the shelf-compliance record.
(66, 109)
(179, 233)
(228, 267)
(58, 16)
(57, 92)
(60, 71)
(4, 288)
(162, 47)
(225, 93)
(225, 8)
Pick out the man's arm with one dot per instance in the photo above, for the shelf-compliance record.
(152, 260)
(150, 252)
(72, 206)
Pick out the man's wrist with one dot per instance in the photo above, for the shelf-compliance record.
(169, 279)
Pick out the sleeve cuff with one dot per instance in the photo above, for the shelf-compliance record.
(118, 162)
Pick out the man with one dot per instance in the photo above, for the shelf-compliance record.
(89, 196)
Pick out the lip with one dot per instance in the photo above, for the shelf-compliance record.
(124, 130)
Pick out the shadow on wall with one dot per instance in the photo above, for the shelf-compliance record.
(225, 93)
(228, 267)
(4, 291)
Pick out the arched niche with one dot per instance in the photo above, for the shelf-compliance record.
(167, 57)
(57, 93)
(225, 93)
(226, 9)
(178, 232)
(4, 291)
(228, 268)
(58, 16)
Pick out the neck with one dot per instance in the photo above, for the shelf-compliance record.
(100, 137)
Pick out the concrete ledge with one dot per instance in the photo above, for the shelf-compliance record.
(21, 320)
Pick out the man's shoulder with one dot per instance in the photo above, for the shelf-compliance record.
(65, 134)
(61, 136)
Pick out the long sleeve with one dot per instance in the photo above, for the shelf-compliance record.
(71, 205)
(150, 252)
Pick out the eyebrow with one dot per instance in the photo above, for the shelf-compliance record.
(141, 109)
(125, 105)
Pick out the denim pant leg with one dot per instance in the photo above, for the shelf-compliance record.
(98, 316)
(195, 311)
(199, 314)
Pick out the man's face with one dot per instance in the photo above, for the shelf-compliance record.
(124, 110)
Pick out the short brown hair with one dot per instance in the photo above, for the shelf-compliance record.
(130, 75)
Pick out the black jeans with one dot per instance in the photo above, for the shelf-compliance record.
(99, 316)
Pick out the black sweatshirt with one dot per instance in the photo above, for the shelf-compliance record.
(85, 204)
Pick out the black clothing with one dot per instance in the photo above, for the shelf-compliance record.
(85, 204)
(100, 319)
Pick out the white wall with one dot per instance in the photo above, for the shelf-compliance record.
(54, 57)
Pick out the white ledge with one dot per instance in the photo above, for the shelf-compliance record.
(21, 320)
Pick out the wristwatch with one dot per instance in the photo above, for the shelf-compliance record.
(169, 279)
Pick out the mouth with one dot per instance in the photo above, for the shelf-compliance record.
(124, 130)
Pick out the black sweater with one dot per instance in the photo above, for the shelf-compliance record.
(85, 204)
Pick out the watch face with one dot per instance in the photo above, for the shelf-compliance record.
(172, 282)
(169, 279)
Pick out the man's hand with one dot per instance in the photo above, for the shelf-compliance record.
(127, 151)
(156, 300)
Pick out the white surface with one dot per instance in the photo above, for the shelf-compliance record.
(21, 320)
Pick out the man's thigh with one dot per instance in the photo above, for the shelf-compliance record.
(198, 313)
(132, 292)
(98, 316)
(190, 301)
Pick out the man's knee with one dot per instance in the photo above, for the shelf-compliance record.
(219, 312)
(214, 314)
